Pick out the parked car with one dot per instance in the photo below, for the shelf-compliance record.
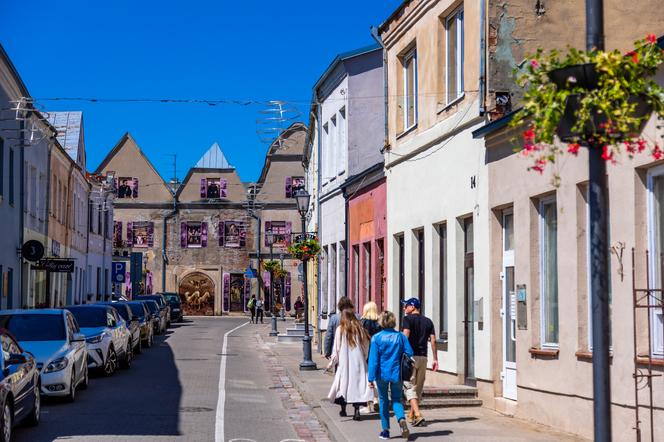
(132, 323)
(158, 320)
(106, 336)
(163, 305)
(162, 312)
(175, 304)
(145, 321)
(20, 397)
(54, 338)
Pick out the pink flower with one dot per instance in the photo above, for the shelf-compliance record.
(651, 38)
(607, 154)
(573, 148)
(657, 152)
(535, 64)
(529, 135)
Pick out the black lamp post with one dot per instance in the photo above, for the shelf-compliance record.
(269, 237)
(282, 284)
(302, 198)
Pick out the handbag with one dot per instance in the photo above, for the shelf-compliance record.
(407, 364)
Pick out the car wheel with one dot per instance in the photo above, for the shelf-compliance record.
(86, 379)
(6, 423)
(129, 355)
(111, 362)
(33, 418)
(71, 397)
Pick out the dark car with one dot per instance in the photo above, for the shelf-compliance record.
(175, 303)
(157, 316)
(145, 321)
(132, 323)
(19, 387)
(163, 306)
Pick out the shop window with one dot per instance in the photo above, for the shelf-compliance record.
(213, 188)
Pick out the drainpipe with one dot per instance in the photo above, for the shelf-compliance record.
(482, 85)
(164, 258)
(374, 34)
(21, 222)
(346, 260)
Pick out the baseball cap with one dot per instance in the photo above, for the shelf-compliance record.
(412, 301)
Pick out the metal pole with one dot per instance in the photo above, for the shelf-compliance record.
(599, 251)
(273, 316)
(307, 363)
(283, 289)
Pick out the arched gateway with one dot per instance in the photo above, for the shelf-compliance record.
(197, 294)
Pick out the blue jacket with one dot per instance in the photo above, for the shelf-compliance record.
(385, 353)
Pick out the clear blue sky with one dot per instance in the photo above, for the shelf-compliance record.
(259, 50)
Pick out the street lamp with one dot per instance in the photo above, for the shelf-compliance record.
(302, 198)
(282, 283)
(269, 238)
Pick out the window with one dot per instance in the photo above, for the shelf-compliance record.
(409, 65)
(100, 218)
(334, 147)
(282, 233)
(343, 142)
(193, 234)
(356, 272)
(327, 153)
(127, 187)
(656, 245)
(549, 271)
(213, 188)
(442, 280)
(98, 292)
(400, 272)
(232, 234)
(419, 236)
(294, 184)
(367, 271)
(454, 55)
(11, 176)
(140, 234)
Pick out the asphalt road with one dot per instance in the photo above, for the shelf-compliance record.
(171, 393)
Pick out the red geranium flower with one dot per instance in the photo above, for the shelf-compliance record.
(535, 64)
(651, 38)
(573, 148)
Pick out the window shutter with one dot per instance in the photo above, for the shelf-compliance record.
(117, 233)
(247, 292)
(222, 188)
(203, 188)
(243, 235)
(183, 234)
(222, 229)
(289, 187)
(134, 191)
(130, 234)
(116, 183)
(266, 280)
(268, 228)
(227, 291)
(150, 234)
(203, 234)
(289, 229)
(287, 291)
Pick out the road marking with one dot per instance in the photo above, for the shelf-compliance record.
(219, 426)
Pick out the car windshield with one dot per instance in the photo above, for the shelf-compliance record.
(173, 299)
(33, 327)
(152, 305)
(89, 316)
(137, 310)
(158, 299)
(122, 309)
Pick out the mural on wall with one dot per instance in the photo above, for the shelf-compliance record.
(127, 187)
(197, 295)
(213, 188)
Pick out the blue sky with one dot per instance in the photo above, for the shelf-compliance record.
(247, 50)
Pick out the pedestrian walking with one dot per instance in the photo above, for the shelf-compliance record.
(344, 303)
(370, 323)
(385, 353)
(419, 330)
(299, 309)
(259, 310)
(351, 346)
(251, 305)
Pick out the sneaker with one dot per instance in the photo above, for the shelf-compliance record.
(384, 435)
(405, 432)
(418, 420)
(410, 417)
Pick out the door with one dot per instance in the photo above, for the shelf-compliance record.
(508, 309)
(469, 298)
(237, 292)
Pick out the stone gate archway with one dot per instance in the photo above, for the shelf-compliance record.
(197, 294)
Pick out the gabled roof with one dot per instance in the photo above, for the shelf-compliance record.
(69, 128)
(213, 159)
(5, 57)
(274, 147)
(343, 57)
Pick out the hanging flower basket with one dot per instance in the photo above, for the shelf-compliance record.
(272, 266)
(305, 249)
(596, 98)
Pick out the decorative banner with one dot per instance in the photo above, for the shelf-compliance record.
(141, 234)
(297, 186)
(232, 231)
(183, 234)
(227, 291)
(237, 292)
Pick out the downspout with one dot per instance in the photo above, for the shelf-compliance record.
(482, 85)
(374, 34)
(347, 233)
(164, 257)
(21, 222)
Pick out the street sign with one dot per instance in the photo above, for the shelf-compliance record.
(32, 250)
(251, 273)
(118, 271)
(56, 265)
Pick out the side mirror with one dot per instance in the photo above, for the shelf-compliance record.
(16, 359)
(78, 337)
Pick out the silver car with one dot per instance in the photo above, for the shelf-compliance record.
(54, 339)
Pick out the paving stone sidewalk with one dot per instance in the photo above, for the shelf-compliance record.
(305, 396)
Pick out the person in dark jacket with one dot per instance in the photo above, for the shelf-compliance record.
(332, 324)
(370, 323)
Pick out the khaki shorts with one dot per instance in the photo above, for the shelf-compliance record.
(415, 386)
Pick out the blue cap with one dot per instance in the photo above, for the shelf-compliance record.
(412, 301)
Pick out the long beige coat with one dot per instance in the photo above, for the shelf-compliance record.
(350, 380)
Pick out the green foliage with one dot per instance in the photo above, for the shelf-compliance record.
(305, 248)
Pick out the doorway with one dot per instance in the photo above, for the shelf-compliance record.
(237, 301)
(508, 310)
(468, 304)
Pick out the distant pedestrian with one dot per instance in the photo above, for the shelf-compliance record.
(299, 308)
(370, 323)
(420, 331)
(385, 353)
(351, 345)
(343, 304)
(251, 305)
(259, 310)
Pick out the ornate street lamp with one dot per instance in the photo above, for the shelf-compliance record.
(302, 198)
(269, 238)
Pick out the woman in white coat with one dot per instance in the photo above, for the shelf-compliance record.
(351, 346)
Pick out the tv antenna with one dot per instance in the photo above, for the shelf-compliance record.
(274, 120)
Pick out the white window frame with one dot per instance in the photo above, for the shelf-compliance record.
(542, 226)
(458, 17)
(343, 142)
(410, 56)
(657, 342)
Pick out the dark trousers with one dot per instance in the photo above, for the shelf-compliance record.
(253, 313)
(259, 312)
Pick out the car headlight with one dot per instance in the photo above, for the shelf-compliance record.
(95, 339)
(56, 365)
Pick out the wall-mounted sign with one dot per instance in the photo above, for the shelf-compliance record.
(521, 307)
(32, 250)
(56, 265)
(118, 272)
